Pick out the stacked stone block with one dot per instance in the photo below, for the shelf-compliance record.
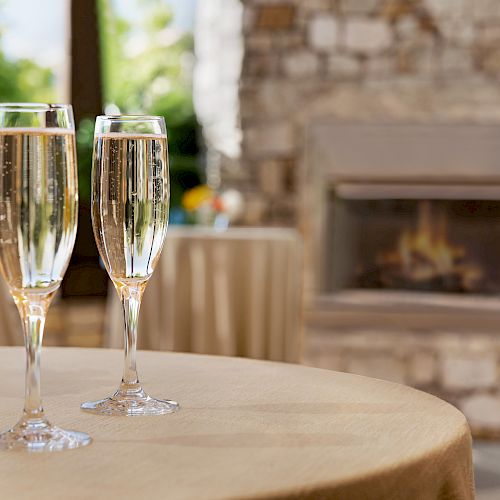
(410, 60)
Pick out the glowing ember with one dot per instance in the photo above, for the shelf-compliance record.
(424, 258)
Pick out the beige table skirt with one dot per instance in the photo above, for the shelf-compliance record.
(247, 429)
(236, 292)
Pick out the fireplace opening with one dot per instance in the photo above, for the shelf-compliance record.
(421, 245)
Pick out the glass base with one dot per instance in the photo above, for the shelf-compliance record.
(40, 435)
(130, 404)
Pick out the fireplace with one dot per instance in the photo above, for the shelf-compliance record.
(403, 216)
(397, 137)
(419, 245)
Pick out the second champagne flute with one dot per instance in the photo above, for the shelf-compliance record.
(130, 204)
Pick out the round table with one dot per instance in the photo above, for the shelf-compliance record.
(247, 429)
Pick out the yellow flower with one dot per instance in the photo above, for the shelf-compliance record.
(194, 198)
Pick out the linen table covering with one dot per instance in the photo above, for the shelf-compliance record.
(246, 429)
(236, 293)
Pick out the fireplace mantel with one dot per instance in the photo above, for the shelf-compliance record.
(442, 153)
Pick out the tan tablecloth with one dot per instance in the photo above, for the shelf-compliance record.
(247, 429)
(236, 292)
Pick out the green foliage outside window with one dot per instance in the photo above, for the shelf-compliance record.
(154, 79)
(24, 81)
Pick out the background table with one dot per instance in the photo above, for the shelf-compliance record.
(247, 429)
(235, 292)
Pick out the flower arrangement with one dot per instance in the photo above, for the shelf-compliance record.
(205, 206)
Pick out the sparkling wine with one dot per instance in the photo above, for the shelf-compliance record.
(38, 216)
(38, 206)
(130, 197)
(130, 203)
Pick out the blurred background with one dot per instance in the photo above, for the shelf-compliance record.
(335, 169)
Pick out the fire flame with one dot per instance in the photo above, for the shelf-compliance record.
(425, 254)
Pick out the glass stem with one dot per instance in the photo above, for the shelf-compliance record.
(131, 299)
(33, 310)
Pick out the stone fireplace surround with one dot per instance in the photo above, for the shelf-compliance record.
(315, 63)
(442, 343)
(393, 161)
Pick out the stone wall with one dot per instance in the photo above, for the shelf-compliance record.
(371, 61)
(462, 368)
(413, 60)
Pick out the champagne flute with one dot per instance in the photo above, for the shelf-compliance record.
(38, 214)
(130, 202)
